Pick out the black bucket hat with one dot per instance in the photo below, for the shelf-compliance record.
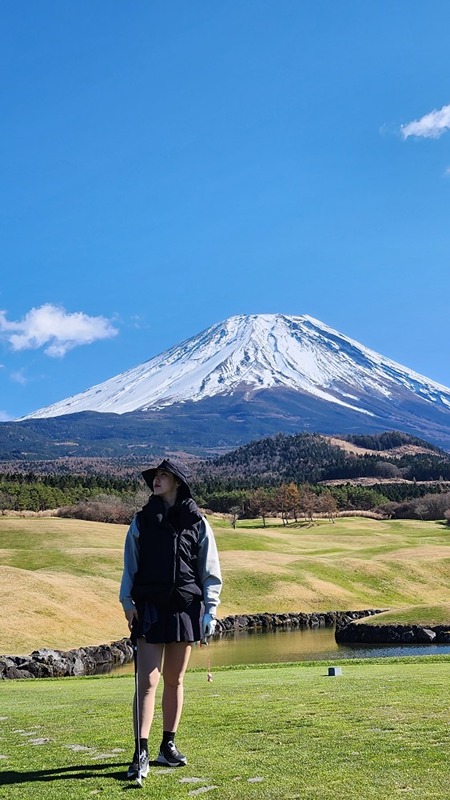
(177, 469)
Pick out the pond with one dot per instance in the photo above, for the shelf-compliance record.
(290, 645)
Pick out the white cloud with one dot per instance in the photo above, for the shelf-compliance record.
(53, 328)
(4, 417)
(430, 126)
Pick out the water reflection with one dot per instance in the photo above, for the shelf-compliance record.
(290, 645)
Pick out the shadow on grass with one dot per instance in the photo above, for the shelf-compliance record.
(78, 772)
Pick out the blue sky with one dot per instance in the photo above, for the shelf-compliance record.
(168, 165)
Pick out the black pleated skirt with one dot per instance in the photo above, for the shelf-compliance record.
(161, 625)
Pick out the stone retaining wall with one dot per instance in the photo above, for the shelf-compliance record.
(268, 621)
(47, 663)
(352, 633)
(62, 663)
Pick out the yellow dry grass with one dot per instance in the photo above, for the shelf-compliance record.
(78, 532)
(417, 554)
(60, 578)
(255, 561)
(61, 611)
(393, 452)
(311, 594)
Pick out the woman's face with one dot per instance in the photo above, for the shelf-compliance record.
(165, 484)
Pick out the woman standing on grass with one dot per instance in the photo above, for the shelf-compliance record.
(169, 592)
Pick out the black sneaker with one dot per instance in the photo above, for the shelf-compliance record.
(133, 769)
(170, 756)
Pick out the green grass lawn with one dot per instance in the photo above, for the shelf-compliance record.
(412, 615)
(379, 731)
(59, 578)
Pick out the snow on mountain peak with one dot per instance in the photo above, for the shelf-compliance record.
(249, 353)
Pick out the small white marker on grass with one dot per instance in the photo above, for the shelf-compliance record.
(333, 671)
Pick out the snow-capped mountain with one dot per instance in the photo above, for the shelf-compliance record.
(245, 355)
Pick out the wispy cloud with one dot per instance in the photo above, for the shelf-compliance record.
(54, 329)
(431, 126)
(19, 377)
(138, 322)
(4, 417)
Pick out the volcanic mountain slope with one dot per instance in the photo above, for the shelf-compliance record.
(248, 354)
(242, 379)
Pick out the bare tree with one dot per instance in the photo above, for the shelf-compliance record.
(284, 500)
(234, 513)
(327, 505)
(308, 503)
(260, 504)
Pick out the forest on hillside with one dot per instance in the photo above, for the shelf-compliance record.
(310, 458)
(389, 440)
(281, 475)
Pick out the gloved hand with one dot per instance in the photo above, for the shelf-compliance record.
(208, 625)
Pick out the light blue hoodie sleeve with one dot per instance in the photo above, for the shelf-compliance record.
(209, 568)
(130, 565)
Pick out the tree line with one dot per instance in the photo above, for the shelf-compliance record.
(39, 495)
(289, 501)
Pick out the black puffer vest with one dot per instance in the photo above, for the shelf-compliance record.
(168, 549)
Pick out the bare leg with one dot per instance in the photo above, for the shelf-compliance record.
(176, 658)
(149, 659)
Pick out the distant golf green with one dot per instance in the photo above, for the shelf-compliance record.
(412, 615)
